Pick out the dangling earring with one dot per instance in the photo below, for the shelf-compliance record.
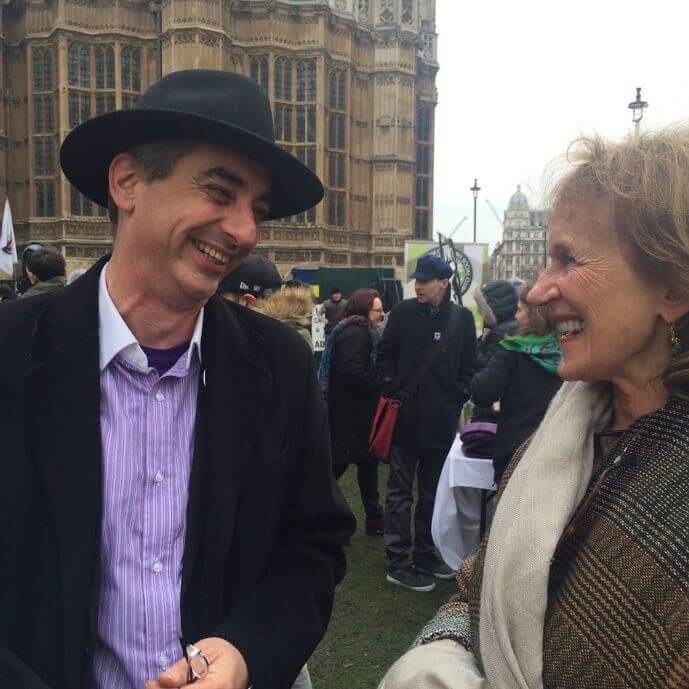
(675, 342)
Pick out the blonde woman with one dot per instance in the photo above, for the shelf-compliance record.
(583, 580)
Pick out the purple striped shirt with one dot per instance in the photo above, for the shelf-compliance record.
(147, 437)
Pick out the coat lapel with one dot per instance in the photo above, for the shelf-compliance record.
(233, 394)
(63, 425)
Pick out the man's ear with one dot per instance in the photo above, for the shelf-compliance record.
(249, 300)
(123, 176)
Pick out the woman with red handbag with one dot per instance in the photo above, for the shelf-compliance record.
(347, 376)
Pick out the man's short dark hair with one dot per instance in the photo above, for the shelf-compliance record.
(335, 290)
(46, 263)
(157, 158)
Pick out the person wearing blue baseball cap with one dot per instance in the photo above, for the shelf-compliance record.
(427, 359)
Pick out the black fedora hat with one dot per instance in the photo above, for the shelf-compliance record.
(200, 104)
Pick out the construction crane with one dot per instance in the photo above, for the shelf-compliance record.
(495, 213)
(456, 227)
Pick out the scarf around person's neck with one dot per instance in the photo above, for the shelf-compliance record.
(326, 358)
(543, 349)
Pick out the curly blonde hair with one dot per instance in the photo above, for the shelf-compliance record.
(646, 176)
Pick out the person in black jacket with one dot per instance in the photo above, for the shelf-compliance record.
(497, 303)
(165, 460)
(428, 418)
(522, 377)
(348, 366)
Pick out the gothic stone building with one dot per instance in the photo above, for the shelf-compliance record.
(352, 84)
(523, 251)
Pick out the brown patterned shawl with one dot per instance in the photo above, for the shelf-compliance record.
(618, 600)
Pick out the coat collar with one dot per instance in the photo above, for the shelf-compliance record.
(63, 385)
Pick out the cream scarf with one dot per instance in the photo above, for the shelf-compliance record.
(536, 506)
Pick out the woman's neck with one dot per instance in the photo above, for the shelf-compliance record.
(631, 402)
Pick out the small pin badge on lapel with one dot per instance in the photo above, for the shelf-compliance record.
(436, 336)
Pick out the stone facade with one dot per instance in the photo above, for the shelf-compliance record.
(352, 84)
(523, 251)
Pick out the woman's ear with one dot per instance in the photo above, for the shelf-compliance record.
(675, 305)
(123, 176)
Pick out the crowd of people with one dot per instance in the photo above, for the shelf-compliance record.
(170, 452)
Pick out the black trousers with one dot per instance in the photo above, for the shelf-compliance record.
(367, 477)
(405, 464)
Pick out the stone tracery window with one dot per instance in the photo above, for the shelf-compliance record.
(362, 10)
(295, 88)
(423, 170)
(130, 60)
(259, 71)
(43, 69)
(306, 81)
(337, 156)
(44, 131)
(105, 78)
(283, 79)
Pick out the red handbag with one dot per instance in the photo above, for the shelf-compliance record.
(383, 428)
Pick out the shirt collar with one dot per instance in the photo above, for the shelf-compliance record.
(116, 339)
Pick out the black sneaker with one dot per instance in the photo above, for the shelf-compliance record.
(432, 564)
(410, 578)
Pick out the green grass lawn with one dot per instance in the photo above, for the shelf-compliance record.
(373, 622)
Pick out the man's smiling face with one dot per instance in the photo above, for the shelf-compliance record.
(197, 224)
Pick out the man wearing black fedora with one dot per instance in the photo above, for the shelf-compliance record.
(168, 508)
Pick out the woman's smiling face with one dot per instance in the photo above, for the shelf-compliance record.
(606, 313)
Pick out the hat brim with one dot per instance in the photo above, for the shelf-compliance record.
(88, 150)
(425, 277)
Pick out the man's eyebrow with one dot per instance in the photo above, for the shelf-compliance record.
(225, 174)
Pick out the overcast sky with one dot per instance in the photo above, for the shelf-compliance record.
(519, 80)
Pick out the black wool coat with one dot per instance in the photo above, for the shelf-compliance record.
(428, 419)
(265, 520)
(524, 389)
(352, 394)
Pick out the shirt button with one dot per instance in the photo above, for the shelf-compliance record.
(157, 567)
(162, 660)
(159, 476)
(159, 396)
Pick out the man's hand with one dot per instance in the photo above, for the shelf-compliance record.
(226, 669)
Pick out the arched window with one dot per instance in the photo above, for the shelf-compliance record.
(338, 90)
(362, 10)
(105, 79)
(283, 79)
(43, 79)
(79, 78)
(130, 61)
(79, 65)
(259, 70)
(105, 67)
(306, 81)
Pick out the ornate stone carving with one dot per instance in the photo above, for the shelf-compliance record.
(387, 14)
